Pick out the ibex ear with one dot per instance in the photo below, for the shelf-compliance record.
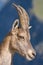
(15, 24)
(29, 27)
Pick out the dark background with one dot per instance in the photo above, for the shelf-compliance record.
(8, 14)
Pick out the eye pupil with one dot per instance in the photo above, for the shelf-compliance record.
(20, 37)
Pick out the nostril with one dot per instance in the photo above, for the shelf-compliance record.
(34, 54)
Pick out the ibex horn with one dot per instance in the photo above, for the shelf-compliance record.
(23, 16)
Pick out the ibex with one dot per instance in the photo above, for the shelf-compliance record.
(18, 39)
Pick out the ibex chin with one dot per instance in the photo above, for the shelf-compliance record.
(18, 40)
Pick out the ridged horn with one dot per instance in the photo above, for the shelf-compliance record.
(23, 16)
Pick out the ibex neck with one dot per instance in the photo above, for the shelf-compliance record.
(5, 44)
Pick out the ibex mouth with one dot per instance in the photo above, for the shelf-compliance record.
(31, 55)
(28, 57)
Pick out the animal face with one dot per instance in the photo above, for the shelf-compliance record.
(21, 42)
(21, 35)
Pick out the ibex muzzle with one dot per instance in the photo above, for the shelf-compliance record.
(18, 40)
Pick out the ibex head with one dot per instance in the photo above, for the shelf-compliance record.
(21, 35)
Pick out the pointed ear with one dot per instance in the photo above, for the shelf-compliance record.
(15, 24)
(29, 27)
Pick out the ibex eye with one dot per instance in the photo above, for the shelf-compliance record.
(20, 36)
